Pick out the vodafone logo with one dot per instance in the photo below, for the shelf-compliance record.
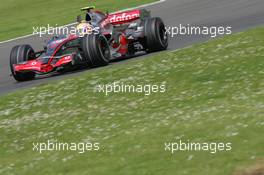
(122, 17)
(33, 63)
(118, 18)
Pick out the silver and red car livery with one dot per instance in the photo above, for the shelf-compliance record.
(104, 38)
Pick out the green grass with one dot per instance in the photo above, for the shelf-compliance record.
(215, 93)
(18, 17)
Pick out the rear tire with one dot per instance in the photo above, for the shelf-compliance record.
(19, 54)
(156, 38)
(96, 50)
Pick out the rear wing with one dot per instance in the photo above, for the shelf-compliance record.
(145, 14)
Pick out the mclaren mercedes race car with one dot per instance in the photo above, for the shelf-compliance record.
(101, 38)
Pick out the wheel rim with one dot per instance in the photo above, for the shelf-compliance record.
(104, 48)
(163, 36)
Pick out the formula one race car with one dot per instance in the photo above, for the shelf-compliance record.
(100, 38)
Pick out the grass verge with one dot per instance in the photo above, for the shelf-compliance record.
(19, 17)
(214, 93)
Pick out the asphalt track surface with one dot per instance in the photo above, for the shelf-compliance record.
(239, 14)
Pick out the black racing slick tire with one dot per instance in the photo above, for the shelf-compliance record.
(156, 37)
(19, 54)
(96, 50)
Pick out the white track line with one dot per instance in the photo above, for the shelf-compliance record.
(141, 6)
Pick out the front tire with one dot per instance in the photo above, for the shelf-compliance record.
(156, 37)
(19, 54)
(96, 50)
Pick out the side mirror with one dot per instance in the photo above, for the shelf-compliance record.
(79, 19)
